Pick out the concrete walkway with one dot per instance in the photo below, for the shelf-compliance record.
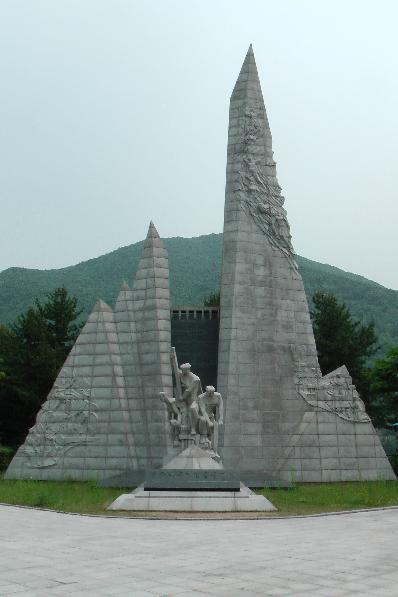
(45, 553)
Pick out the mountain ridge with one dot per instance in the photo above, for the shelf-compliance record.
(195, 265)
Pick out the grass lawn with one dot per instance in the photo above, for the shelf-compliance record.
(87, 498)
(67, 496)
(310, 498)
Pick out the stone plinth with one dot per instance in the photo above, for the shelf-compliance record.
(193, 501)
(208, 499)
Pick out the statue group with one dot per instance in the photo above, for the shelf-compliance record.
(194, 416)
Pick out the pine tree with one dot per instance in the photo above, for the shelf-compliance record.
(383, 379)
(212, 300)
(60, 313)
(340, 340)
(33, 350)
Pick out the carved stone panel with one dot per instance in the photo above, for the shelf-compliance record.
(334, 393)
(63, 423)
(258, 189)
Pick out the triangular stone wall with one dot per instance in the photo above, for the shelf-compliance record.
(281, 417)
(103, 415)
(144, 331)
(80, 431)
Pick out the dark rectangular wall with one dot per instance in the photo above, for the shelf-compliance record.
(194, 333)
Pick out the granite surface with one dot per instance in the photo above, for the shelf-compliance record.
(47, 554)
(103, 415)
(281, 416)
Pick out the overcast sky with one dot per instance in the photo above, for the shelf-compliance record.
(115, 112)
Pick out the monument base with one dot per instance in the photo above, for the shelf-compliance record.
(193, 501)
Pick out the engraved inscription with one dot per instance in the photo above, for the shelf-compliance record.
(192, 479)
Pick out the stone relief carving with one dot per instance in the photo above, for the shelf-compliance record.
(334, 393)
(258, 188)
(337, 392)
(62, 423)
(194, 416)
(252, 126)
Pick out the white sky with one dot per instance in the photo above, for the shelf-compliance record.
(115, 112)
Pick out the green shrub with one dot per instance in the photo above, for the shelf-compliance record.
(393, 458)
(6, 455)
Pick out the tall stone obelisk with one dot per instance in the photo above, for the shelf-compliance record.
(281, 416)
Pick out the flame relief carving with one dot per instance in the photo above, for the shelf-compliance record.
(260, 193)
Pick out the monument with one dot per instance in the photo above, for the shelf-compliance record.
(122, 407)
(281, 415)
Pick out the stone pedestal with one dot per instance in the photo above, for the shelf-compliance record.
(193, 469)
(193, 501)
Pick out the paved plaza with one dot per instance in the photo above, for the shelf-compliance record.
(45, 553)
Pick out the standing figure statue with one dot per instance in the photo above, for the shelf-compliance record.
(194, 416)
(211, 412)
(191, 387)
(174, 415)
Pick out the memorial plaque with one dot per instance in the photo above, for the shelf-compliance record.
(192, 479)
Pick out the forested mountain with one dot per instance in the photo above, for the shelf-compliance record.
(194, 273)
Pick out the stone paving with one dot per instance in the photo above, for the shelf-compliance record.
(46, 553)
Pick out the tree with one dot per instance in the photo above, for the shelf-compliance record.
(212, 300)
(16, 400)
(33, 356)
(33, 350)
(2, 373)
(383, 380)
(341, 340)
(60, 313)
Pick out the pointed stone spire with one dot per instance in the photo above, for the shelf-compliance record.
(153, 262)
(254, 236)
(143, 321)
(249, 135)
(248, 78)
(122, 306)
(267, 363)
(101, 305)
(152, 232)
